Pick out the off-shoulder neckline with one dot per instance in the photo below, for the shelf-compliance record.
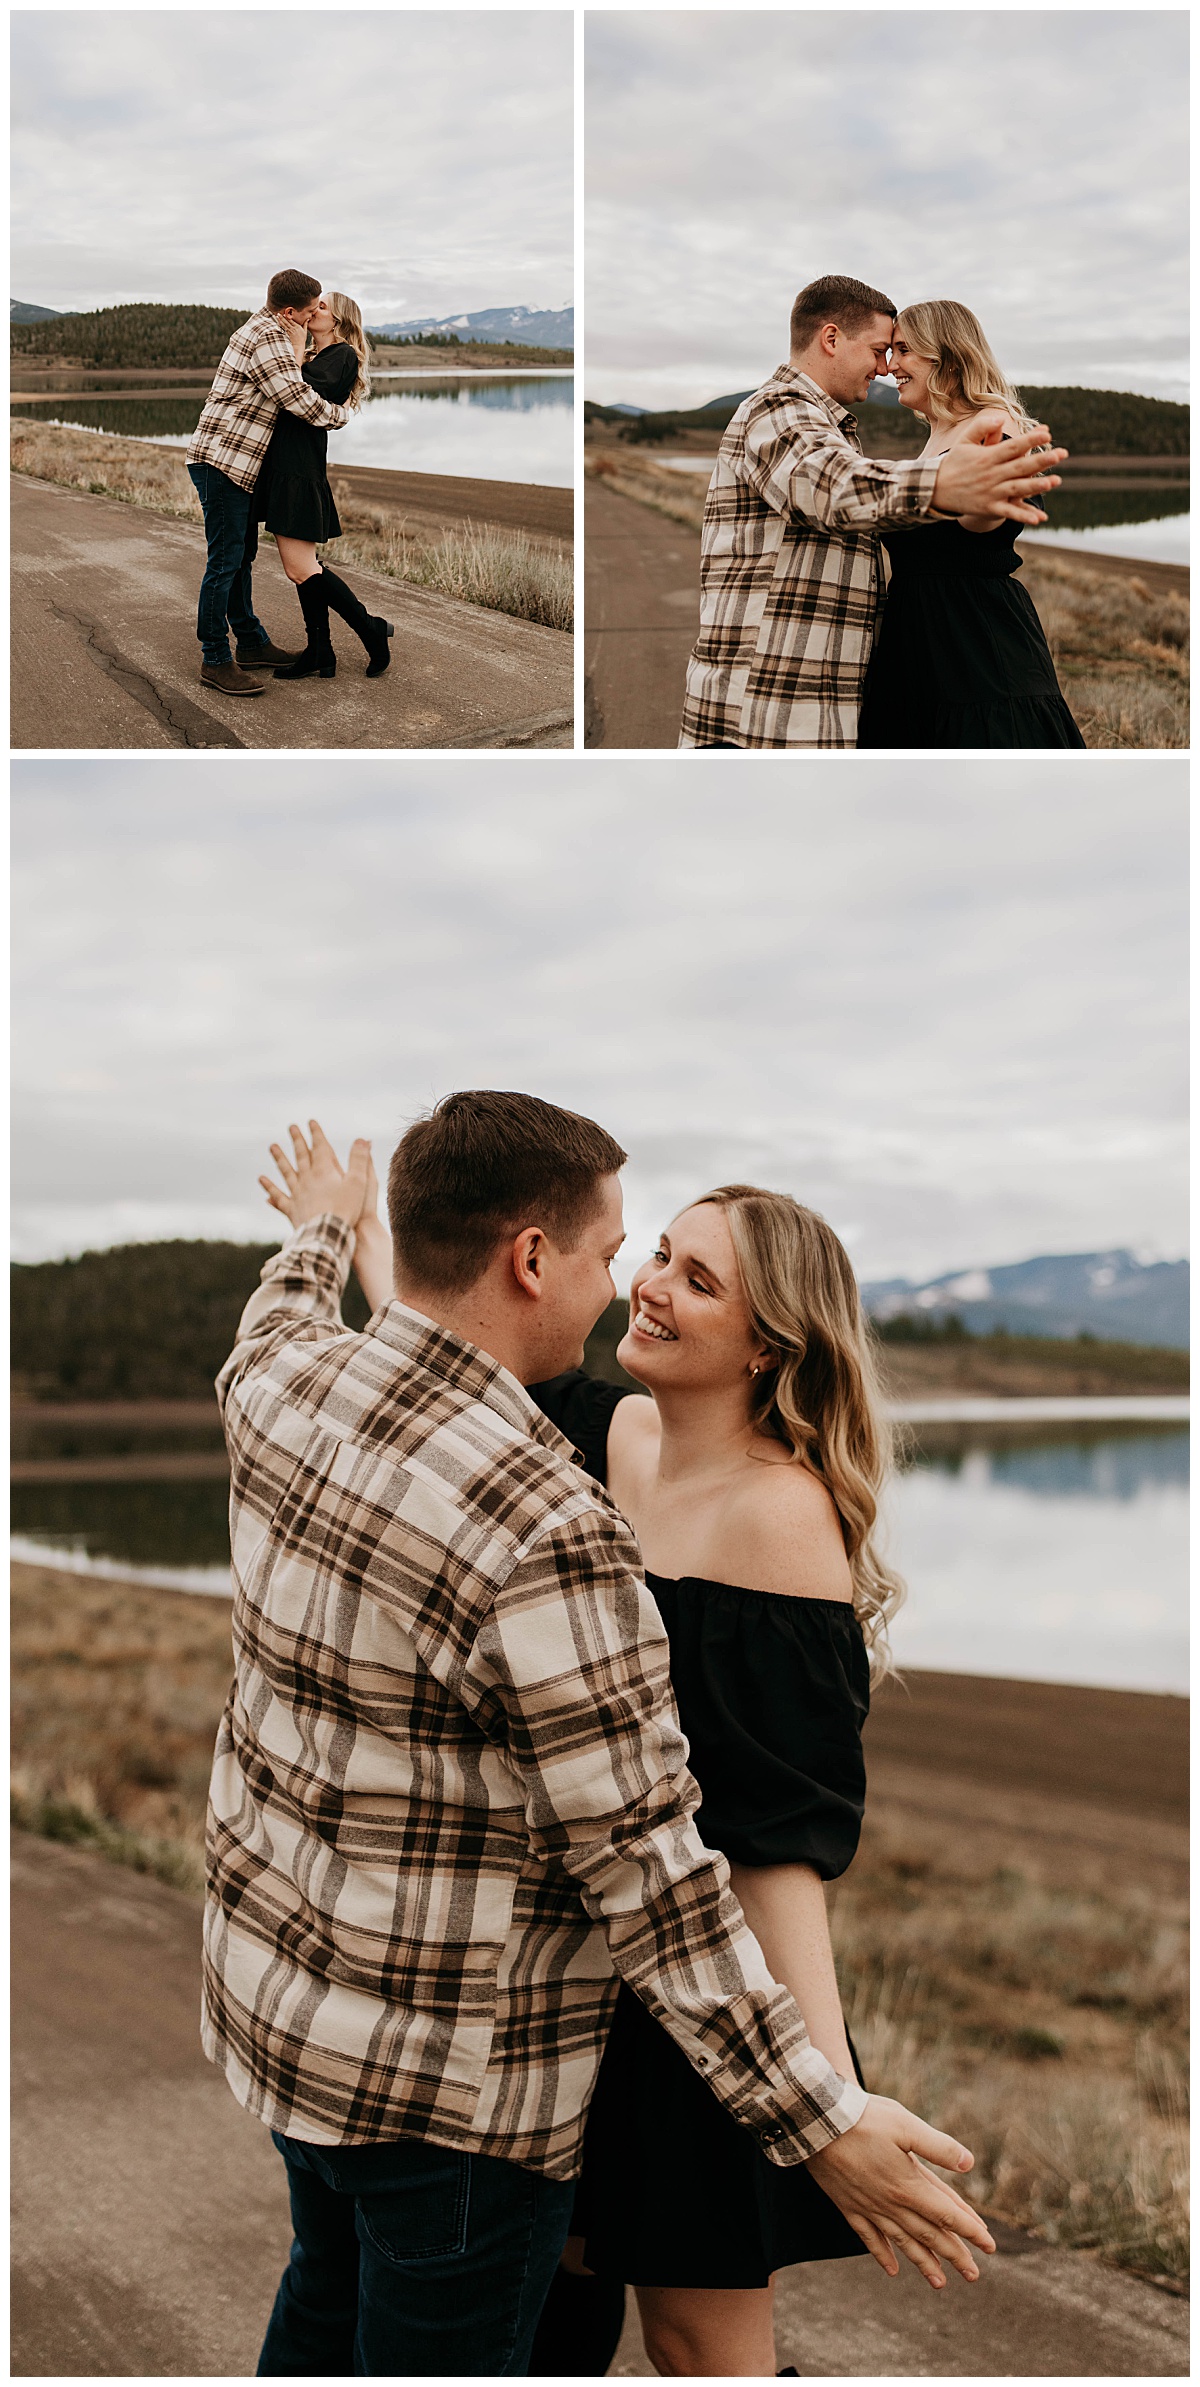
(744, 1591)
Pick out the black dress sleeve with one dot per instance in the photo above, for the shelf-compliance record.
(773, 1694)
(333, 372)
(581, 1406)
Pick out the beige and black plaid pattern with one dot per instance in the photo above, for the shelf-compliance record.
(257, 377)
(791, 573)
(450, 1792)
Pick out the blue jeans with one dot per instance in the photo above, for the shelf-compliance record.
(412, 2261)
(225, 592)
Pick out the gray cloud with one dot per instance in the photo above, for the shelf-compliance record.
(1033, 165)
(420, 160)
(948, 1013)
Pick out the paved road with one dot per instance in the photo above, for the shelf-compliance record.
(105, 652)
(641, 610)
(151, 2222)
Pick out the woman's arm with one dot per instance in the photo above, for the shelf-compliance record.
(785, 1908)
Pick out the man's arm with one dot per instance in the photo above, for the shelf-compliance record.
(798, 468)
(272, 365)
(303, 1284)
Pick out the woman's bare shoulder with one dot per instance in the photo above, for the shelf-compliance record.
(786, 1528)
(634, 1425)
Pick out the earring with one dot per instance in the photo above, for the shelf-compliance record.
(754, 1371)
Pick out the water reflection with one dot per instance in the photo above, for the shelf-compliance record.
(503, 429)
(1057, 1559)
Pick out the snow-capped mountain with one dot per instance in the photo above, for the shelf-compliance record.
(20, 311)
(1108, 1294)
(536, 327)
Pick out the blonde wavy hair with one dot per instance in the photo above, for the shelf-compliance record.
(965, 377)
(348, 326)
(820, 1397)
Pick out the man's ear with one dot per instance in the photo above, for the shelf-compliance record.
(529, 1262)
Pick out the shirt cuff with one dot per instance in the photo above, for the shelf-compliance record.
(325, 1233)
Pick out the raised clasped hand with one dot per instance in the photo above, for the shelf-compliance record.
(314, 1181)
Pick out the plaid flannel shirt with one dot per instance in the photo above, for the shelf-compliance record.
(450, 1792)
(257, 378)
(791, 574)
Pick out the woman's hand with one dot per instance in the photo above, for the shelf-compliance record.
(297, 334)
(373, 1248)
(314, 1181)
(875, 2176)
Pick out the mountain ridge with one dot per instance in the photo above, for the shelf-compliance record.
(1110, 1294)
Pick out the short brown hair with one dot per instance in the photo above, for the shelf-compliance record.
(835, 299)
(478, 1169)
(291, 288)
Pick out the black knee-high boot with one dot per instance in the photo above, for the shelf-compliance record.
(318, 656)
(370, 627)
(580, 2328)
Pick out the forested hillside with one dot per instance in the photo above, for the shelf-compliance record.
(145, 1321)
(1088, 422)
(137, 337)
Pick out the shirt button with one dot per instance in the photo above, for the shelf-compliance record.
(772, 2132)
(703, 2062)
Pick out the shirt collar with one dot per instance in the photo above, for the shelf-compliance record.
(465, 1369)
(812, 389)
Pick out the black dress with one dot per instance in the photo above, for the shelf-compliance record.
(292, 494)
(772, 1694)
(962, 658)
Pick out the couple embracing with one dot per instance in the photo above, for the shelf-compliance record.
(534, 1992)
(293, 373)
(803, 641)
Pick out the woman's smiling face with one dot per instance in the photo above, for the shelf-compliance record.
(910, 372)
(689, 1321)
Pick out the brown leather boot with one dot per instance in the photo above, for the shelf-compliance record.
(265, 658)
(230, 679)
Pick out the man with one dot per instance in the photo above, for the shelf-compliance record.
(257, 376)
(450, 1800)
(791, 574)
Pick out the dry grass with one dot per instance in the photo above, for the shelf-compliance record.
(505, 571)
(679, 495)
(1036, 2011)
(1043, 2024)
(1120, 651)
(131, 469)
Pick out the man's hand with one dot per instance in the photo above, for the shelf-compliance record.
(873, 2176)
(985, 474)
(315, 1180)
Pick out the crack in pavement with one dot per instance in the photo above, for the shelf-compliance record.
(186, 723)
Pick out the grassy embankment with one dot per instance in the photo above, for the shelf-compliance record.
(479, 563)
(1120, 647)
(1037, 2011)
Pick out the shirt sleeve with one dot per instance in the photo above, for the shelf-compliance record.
(570, 1671)
(280, 376)
(301, 1287)
(797, 469)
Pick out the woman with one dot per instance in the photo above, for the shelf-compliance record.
(751, 1478)
(293, 497)
(962, 658)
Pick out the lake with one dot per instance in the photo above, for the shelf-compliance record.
(1153, 525)
(493, 427)
(1049, 1549)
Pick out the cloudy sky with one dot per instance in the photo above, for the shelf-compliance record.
(419, 160)
(952, 1020)
(1032, 165)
